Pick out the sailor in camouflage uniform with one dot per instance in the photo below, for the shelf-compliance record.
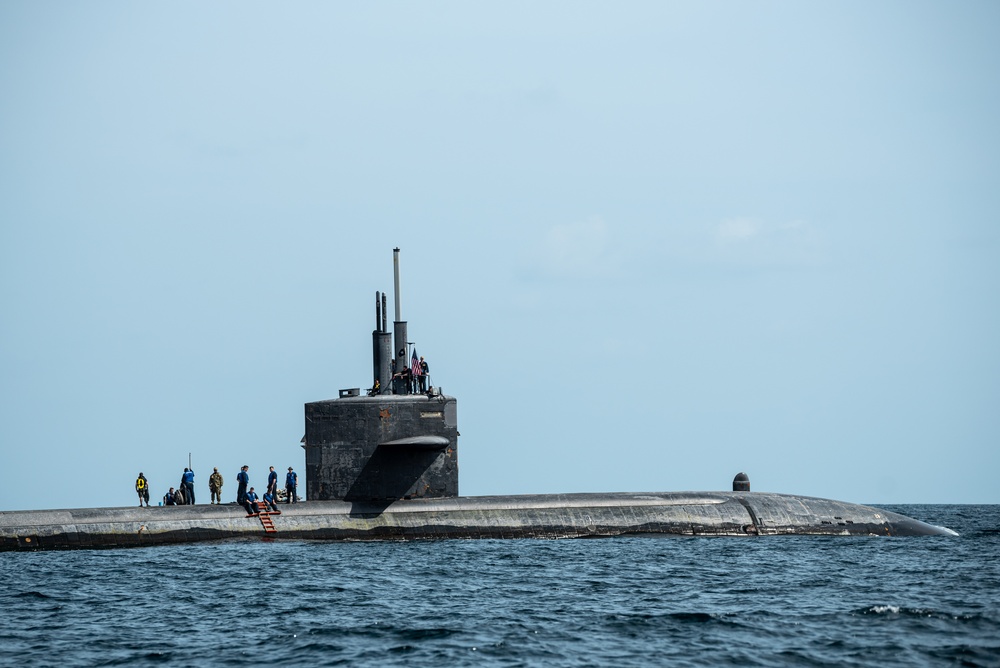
(215, 486)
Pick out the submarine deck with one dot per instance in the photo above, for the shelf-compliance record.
(523, 516)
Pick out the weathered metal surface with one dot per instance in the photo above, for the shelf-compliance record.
(531, 516)
(381, 448)
(420, 442)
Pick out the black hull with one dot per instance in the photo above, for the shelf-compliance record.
(529, 516)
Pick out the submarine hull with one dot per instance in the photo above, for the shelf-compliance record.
(526, 516)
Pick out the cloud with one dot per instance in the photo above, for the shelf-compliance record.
(574, 250)
(735, 230)
(755, 242)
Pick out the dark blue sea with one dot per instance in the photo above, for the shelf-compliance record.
(769, 601)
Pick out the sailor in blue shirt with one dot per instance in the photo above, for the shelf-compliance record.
(269, 503)
(251, 503)
(188, 481)
(291, 483)
(272, 482)
(243, 478)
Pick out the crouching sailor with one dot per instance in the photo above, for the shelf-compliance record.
(269, 502)
(251, 503)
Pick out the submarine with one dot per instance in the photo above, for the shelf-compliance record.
(382, 464)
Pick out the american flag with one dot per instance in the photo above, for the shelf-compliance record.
(415, 364)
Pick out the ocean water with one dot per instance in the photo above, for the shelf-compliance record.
(770, 601)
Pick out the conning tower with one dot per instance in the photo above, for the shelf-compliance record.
(399, 441)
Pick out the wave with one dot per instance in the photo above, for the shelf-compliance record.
(32, 594)
(903, 611)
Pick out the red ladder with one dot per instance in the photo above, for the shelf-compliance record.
(267, 522)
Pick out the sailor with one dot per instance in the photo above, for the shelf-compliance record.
(243, 478)
(272, 482)
(408, 379)
(142, 489)
(401, 381)
(169, 499)
(188, 483)
(291, 485)
(424, 370)
(215, 486)
(269, 502)
(250, 503)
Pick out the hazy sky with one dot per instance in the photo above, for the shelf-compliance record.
(647, 245)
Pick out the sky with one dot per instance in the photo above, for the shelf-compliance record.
(646, 245)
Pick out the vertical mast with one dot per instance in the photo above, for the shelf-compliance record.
(398, 330)
(395, 285)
